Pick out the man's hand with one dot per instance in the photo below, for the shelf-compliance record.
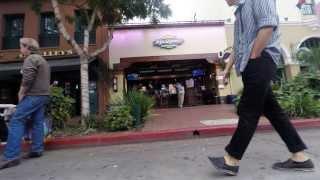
(22, 93)
(21, 96)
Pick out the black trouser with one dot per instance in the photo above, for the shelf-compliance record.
(257, 99)
(3, 130)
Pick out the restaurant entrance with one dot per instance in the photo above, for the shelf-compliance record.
(162, 80)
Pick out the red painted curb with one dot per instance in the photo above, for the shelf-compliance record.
(138, 137)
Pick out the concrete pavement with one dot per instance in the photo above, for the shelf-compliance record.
(173, 160)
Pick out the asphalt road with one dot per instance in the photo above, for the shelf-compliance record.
(173, 160)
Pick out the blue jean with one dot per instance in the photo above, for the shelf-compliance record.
(30, 106)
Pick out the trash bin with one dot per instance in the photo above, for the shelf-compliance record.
(216, 100)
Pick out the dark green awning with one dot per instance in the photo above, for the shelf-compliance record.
(7, 70)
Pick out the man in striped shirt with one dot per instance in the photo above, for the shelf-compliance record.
(256, 55)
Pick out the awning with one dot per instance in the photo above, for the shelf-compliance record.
(13, 69)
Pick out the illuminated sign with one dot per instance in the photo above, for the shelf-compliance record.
(168, 42)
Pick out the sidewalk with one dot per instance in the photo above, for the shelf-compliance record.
(173, 124)
(173, 160)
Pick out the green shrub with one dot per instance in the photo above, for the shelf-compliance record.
(92, 121)
(137, 103)
(300, 97)
(140, 106)
(60, 107)
(118, 118)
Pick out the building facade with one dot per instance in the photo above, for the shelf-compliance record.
(135, 58)
(18, 20)
(144, 56)
(154, 58)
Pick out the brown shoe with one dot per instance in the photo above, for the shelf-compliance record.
(9, 163)
(295, 166)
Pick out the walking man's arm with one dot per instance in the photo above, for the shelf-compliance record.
(265, 15)
(261, 41)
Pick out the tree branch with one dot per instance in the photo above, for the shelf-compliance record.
(92, 19)
(88, 29)
(62, 28)
(105, 45)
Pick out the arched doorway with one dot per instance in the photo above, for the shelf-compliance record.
(312, 42)
(308, 43)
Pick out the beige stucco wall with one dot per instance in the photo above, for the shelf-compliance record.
(139, 42)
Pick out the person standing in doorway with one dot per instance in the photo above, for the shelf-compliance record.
(181, 93)
(33, 97)
(256, 55)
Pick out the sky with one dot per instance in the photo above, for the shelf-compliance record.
(185, 10)
(219, 10)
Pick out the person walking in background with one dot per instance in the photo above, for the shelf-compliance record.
(181, 93)
(256, 55)
(33, 97)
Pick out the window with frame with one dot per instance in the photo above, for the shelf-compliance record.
(49, 33)
(308, 8)
(13, 31)
(80, 26)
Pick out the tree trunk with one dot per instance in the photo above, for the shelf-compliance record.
(84, 73)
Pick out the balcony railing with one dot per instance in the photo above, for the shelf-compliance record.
(11, 42)
(79, 37)
(49, 40)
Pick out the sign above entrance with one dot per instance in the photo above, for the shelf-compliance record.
(168, 42)
(55, 53)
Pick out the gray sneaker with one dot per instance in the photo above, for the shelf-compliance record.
(9, 163)
(295, 166)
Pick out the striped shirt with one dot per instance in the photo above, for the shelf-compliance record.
(251, 16)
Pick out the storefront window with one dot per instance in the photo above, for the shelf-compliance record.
(13, 31)
(49, 34)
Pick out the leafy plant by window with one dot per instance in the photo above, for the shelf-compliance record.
(60, 107)
(140, 105)
(310, 58)
(119, 118)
